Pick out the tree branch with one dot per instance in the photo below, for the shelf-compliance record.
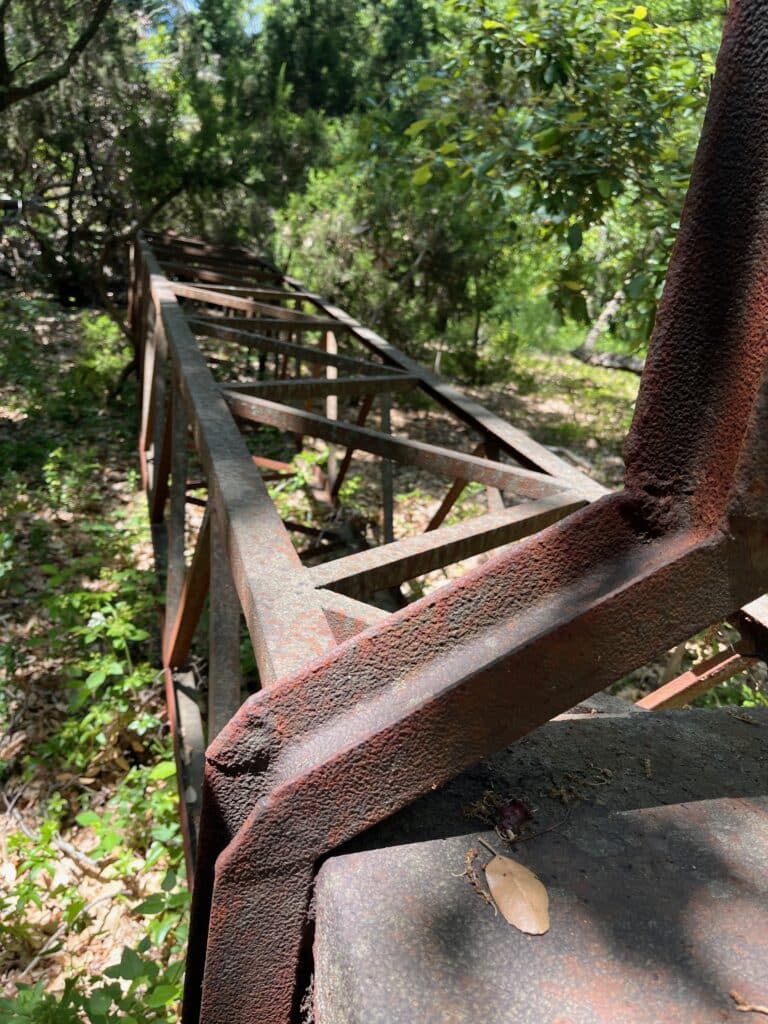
(10, 94)
(5, 72)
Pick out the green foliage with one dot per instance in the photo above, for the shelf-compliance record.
(69, 533)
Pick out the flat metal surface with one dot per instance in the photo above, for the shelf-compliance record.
(658, 886)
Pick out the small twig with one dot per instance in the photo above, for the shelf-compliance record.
(85, 863)
(61, 931)
(743, 718)
(488, 846)
(16, 797)
(744, 1006)
(549, 828)
(471, 875)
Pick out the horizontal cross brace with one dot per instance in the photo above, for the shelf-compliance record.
(392, 564)
(227, 283)
(441, 461)
(222, 255)
(318, 387)
(230, 301)
(307, 353)
(487, 423)
(294, 321)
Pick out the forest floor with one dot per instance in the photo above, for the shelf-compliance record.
(92, 895)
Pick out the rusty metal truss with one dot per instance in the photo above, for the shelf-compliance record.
(362, 710)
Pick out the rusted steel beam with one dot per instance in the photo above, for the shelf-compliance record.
(225, 679)
(296, 321)
(186, 727)
(147, 400)
(158, 488)
(320, 387)
(400, 709)
(195, 250)
(266, 343)
(387, 475)
(177, 571)
(697, 681)
(493, 496)
(275, 465)
(191, 600)
(222, 278)
(362, 416)
(389, 565)
(229, 301)
(452, 496)
(441, 461)
(286, 624)
(511, 440)
(331, 346)
(348, 617)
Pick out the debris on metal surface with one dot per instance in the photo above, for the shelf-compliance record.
(658, 900)
(361, 712)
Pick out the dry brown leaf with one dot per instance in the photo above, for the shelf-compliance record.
(519, 895)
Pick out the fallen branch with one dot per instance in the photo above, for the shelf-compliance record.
(609, 360)
(85, 863)
(61, 931)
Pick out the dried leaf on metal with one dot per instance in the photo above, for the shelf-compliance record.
(519, 895)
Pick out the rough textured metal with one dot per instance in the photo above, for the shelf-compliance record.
(251, 339)
(656, 872)
(442, 461)
(349, 733)
(317, 387)
(707, 361)
(270, 583)
(697, 681)
(402, 707)
(391, 564)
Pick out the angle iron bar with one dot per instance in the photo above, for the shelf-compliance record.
(296, 322)
(392, 564)
(515, 442)
(161, 468)
(265, 343)
(438, 460)
(224, 280)
(452, 496)
(696, 681)
(225, 678)
(512, 440)
(147, 387)
(286, 623)
(399, 710)
(192, 599)
(349, 617)
(346, 460)
(195, 248)
(209, 273)
(189, 768)
(320, 387)
(177, 570)
(253, 291)
(214, 298)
